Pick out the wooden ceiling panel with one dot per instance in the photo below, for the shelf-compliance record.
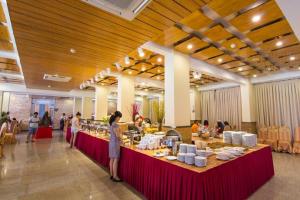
(220, 59)
(233, 64)
(174, 7)
(270, 31)
(6, 46)
(241, 69)
(207, 53)
(4, 34)
(285, 40)
(268, 11)
(295, 49)
(229, 7)
(233, 44)
(146, 75)
(196, 20)
(171, 36)
(217, 33)
(157, 60)
(2, 15)
(194, 41)
(245, 52)
(249, 72)
(156, 70)
(190, 5)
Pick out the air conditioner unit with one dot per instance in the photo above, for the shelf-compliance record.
(127, 9)
(57, 78)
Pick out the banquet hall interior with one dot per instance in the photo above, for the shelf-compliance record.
(208, 91)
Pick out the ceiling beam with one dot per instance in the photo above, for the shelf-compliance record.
(279, 76)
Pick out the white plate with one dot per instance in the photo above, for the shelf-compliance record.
(171, 158)
(222, 158)
(159, 155)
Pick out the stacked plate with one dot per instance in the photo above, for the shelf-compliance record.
(227, 137)
(204, 153)
(237, 138)
(200, 161)
(183, 148)
(181, 157)
(191, 148)
(189, 158)
(249, 140)
(222, 156)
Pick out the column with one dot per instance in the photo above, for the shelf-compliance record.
(87, 107)
(125, 97)
(248, 108)
(101, 103)
(177, 90)
(5, 101)
(195, 104)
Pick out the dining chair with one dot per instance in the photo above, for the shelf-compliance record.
(272, 137)
(284, 139)
(1, 144)
(10, 138)
(296, 145)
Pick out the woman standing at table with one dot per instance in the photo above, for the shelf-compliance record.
(75, 127)
(114, 145)
(33, 126)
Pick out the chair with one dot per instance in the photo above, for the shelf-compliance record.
(296, 145)
(10, 138)
(262, 135)
(272, 137)
(284, 139)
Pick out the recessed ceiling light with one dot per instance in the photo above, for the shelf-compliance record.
(143, 68)
(158, 71)
(240, 69)
(299, 68)
(72, 50)
(108, 70)
(143, 83)
(162, 92)
(220, 60)
(141, 52)
(146, 90)
(127, 61)
(158, 77)
(292, 58)
(129, 72)
(189, 46)
(254, 75)
(159, 59)
(197, 86)
(232, 45)
(279, 43)
(256, 18)
(49, 86)
(102, 84)
(269, 68)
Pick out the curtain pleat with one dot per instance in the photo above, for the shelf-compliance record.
(223, 104)
(277, 104)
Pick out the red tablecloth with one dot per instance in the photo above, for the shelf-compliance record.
(157, 179)
(43, 132)
(68, 135)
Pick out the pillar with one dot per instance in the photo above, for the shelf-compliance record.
(177, 90)
(125, 97)
(195, 104)
(5, 101)
(101, 103)
(248, 109)
(87, 107)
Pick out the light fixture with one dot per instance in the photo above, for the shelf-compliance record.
(96, 78)
(158, 71)
(92, 81)
(220, 60)
(189, 46)
(101, 75)
(292, 58)
(127, 61)
(81, 87)
(240, 69)
(197, 75)
(143, 83)
(232, 45)
(119, 68)
(49, 86)
(159, 59)
(254, 75)
(299, 68)
(143, 68)
(140, 6)
(146, 90)
(158, 77)
(108, 70)
(129, 72)
(141, 52)
(102, 84)
(197, 86)
(162, 92)
(269, 68)
(256, 18)
(279, 43)
(72, 50)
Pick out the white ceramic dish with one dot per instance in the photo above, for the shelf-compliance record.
(171, 157)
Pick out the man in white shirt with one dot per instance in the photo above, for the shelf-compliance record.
(33, 126)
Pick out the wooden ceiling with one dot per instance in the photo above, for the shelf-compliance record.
(230, 39)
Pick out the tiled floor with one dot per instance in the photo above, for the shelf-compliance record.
(49, 169)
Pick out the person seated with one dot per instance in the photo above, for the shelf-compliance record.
(46, 120)
(219, 127)
(227, 126)
(205, 123)
(195, 127)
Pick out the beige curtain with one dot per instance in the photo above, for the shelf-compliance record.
(152, 115)
(278, 103)
(222, 104)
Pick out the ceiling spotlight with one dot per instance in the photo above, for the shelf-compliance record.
(220, 60)
(196, 75)
(299, 68)
(143, 83)
(146, 90)
(254, 75)
(279, 43)
(108, 70)
(256, 18)
(102, 84)
(143, 68)
(119, 68)
(240, 69)
(162, 92)
(292, 58)
(96, 78)
(197, 86)
(269, 68)
(72, 50)
(49, 86)
(158, 71)
(158, 77)
(129, 72)
(159, 59)
(127, 61)
(92, 81)
(232, 45)
(141, 52)
(189, 46)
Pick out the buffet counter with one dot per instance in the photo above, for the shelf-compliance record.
(158, 178)
(43, 132)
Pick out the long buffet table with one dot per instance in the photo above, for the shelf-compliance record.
(158, 178)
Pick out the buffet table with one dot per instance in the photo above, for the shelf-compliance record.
(68, 134)
(158, 178)
(43, 132)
